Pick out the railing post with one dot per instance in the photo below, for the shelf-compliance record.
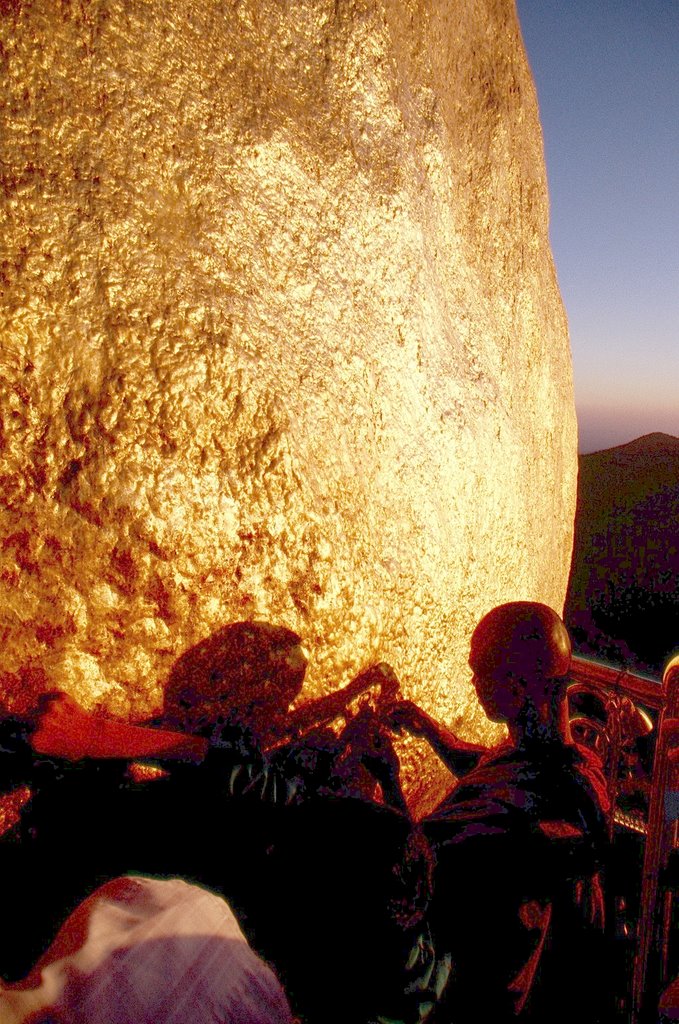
(668, 734)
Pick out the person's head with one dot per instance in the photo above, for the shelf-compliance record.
(244, 665)
(520, 653)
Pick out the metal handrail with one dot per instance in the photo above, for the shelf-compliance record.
(668, 739)
(645, 689)
(661, 696)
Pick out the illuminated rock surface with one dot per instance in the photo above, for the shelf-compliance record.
(281, 338)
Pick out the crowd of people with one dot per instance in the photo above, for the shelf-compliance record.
(490, 908)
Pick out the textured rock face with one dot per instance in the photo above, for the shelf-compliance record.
(281, 339)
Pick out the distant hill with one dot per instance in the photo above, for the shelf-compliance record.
(623, 596)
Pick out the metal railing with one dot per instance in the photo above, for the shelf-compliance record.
(608, 680)
(661, 698)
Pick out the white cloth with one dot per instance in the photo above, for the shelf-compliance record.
(148, 951)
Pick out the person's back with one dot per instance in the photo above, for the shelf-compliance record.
(347, 878)
(517, 846)
(518, 842)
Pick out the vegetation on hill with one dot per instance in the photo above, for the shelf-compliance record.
(623, 598)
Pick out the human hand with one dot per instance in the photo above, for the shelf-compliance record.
(405, 714)
(370, 742)
(380, 674)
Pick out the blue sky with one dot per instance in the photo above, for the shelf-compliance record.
(607, 76)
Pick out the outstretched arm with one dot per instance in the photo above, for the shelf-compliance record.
(457, 755)
(368, 741)
(64, 729)
(324, 709)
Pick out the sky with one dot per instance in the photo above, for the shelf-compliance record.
(607, 77)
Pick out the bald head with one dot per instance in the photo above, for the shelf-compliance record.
(519, 653)
(524, 637)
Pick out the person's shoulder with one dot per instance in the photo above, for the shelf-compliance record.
(494, 797)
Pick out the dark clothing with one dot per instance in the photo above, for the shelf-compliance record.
(328, 889)
(517, 847)
(333, 890)
(344, 876)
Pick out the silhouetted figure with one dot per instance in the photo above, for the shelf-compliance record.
(245, 809)
(246, 672)
(351, 881)
(250, 673)
(520, 839)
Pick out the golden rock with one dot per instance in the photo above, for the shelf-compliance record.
(281, 339)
